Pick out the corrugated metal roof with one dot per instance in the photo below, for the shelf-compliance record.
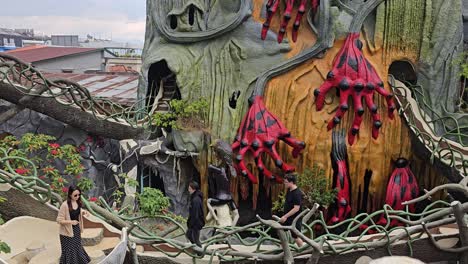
(118, 88)
(39, 53)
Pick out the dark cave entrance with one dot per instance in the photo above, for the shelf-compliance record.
(162, 87)
(364, 197)
(247, 214)
(403, 71)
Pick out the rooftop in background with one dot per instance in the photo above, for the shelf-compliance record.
(39, 53)
(124, 52)
(11, 32)
(121, 68)
(119, 88)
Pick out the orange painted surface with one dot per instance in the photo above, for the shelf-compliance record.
(290, 97)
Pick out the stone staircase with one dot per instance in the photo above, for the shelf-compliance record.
(169, 90)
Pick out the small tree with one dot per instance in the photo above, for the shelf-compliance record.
(314, 187)
(153, 202)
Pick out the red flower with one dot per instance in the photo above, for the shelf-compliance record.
(89, 139)
(52, 187)
(54, 145)
(64, 189)
(81, 147)
(54, 152)
(93, 199)
(21, 171)
(42, 177)
(60, 179)
(48, 169)
(78, 176)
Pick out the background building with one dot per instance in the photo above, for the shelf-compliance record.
(65, 40)
(62, 59)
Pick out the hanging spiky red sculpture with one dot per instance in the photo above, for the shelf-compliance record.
(354, 76)
(259, 133)
(272, 8)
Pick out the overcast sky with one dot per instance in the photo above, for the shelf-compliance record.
(124, 20)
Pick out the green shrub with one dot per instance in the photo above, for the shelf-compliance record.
(3, 246)
(85, 184)
(152, 202)
(314, 185)
(184, 115)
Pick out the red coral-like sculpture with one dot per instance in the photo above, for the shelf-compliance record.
(272, 8)
(259, 133)
(354, 76)
(401, 187)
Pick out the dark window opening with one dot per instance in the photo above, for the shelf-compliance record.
(191, 14)
(161, 77)
(173, 21)
(403, 71)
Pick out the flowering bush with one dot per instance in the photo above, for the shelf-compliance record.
(43, 152)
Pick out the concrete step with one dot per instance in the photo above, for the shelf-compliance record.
(33, 249)
(106, 243)
(48, 256)
(96, 256)
(92, 236)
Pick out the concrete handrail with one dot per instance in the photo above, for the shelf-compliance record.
(117, 255)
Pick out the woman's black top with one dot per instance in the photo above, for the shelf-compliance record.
(75, 214)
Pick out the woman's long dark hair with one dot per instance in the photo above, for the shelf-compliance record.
(71, 189)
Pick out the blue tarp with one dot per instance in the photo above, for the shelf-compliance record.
(6, 48)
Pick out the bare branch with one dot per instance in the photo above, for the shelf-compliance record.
(449, 186)
(436, 245)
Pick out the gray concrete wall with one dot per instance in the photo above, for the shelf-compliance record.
(78, 63)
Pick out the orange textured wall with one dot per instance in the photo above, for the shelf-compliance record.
(290, 97)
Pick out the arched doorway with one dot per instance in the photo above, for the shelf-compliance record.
(404, 71)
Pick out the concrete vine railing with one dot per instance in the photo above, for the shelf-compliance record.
(117, 255)
(352, 234)
(446, 146)
(21, 84)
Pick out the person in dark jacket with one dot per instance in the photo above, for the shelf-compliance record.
(196, 219)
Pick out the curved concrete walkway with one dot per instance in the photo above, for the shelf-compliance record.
(23, 231)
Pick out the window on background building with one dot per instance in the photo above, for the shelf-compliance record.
(12, 42)
(5, 41)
